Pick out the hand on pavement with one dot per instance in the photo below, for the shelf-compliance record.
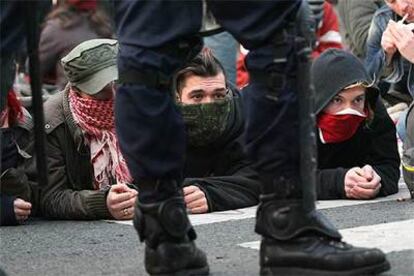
(121, 201)
(22, 209)
(362, 183)
(195, 199)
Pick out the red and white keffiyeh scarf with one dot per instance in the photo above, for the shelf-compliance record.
(96, 119)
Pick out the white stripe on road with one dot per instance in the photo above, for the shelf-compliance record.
(325, 204)
(389, 237)
(212, 217)
(251, 211)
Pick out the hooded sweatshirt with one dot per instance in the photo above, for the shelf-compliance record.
(374, 143)
(221, 169)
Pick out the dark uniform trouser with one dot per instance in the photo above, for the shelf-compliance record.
(150, 129)
(11, 37)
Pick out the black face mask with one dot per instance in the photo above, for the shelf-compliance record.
(205, 123)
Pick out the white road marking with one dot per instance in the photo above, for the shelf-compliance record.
(325, 204)
(389, 237)
(213, 217)
(250, 212)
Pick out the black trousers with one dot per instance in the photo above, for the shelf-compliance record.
(150, 128)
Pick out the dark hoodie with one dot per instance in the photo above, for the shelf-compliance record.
(375, 141)
(16, 147)
(221, 169)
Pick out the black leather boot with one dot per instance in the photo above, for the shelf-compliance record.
(298, 243)
(169, 239)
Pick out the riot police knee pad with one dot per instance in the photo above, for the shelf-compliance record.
(285, 219)
(169, 238)
(165, 221)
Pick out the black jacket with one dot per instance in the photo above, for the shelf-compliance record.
(70, 193)
(221, 169)
(374, 143)
(16, 147)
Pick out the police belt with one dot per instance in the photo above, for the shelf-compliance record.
(274, 80)
(149, 78)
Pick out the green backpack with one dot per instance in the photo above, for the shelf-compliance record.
(408, 153)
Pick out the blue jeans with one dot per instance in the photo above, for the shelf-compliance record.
(224, 48)
(401, 125)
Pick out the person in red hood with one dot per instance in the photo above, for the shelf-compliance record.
(357, 146)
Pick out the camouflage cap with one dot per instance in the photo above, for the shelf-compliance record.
(91, 65)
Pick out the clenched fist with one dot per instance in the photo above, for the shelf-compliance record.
(362, 183)
(195, 199)
(121, 201)
(22, 209)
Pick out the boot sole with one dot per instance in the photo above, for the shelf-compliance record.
(187, 272)
(369, 270)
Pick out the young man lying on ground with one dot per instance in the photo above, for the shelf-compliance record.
(217, 174)
(87, 172)
(357, 145)
(86, 169)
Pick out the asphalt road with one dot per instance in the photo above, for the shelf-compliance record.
(106, 248)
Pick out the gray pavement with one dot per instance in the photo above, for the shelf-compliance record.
(104, 248)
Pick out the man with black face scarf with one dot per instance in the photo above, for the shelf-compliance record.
(217, 174)
(156, 38)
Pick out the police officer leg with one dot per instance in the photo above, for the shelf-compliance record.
(155, 156)
(154, 41)
(297, 240)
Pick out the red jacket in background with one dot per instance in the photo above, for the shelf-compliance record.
(327, 37)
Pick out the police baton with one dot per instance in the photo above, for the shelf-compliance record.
(307, 140)
(32, 27)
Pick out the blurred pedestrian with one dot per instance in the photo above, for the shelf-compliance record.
(355, 19)
(67, 25)
(390, 43)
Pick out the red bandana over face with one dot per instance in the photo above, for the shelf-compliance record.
(96, 119)
(339, 127)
